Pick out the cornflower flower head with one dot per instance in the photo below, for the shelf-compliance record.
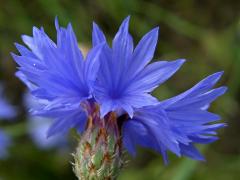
(106, 97)
(125, 77)
(58, 76)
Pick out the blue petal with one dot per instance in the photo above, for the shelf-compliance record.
(5, 142)
(192, 116)
(135, 133)
(201, 139)
(92, 63)
(144, 51)
(24, 51)
(24, 79)
(200, 88)
(156, 121)
(129, 135)
(28, 62)
(191, 151)
(122, 48)
(63, 124)
(97, 35)
(38, 130)
(154, 75)
(201, 100)
(7, 111)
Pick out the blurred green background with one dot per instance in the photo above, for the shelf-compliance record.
(206, 33)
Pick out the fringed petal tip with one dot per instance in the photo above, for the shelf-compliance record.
(56, 23)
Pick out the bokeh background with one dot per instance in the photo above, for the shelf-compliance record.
(206, 33)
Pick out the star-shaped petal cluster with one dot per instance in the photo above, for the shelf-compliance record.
(176, 124)
(58, 75)
(118, 78)
(125, 78)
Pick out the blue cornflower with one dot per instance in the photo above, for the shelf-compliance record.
(7, 112)
(5, 142)
(58, 74)
(125, 78)
(109, 93)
